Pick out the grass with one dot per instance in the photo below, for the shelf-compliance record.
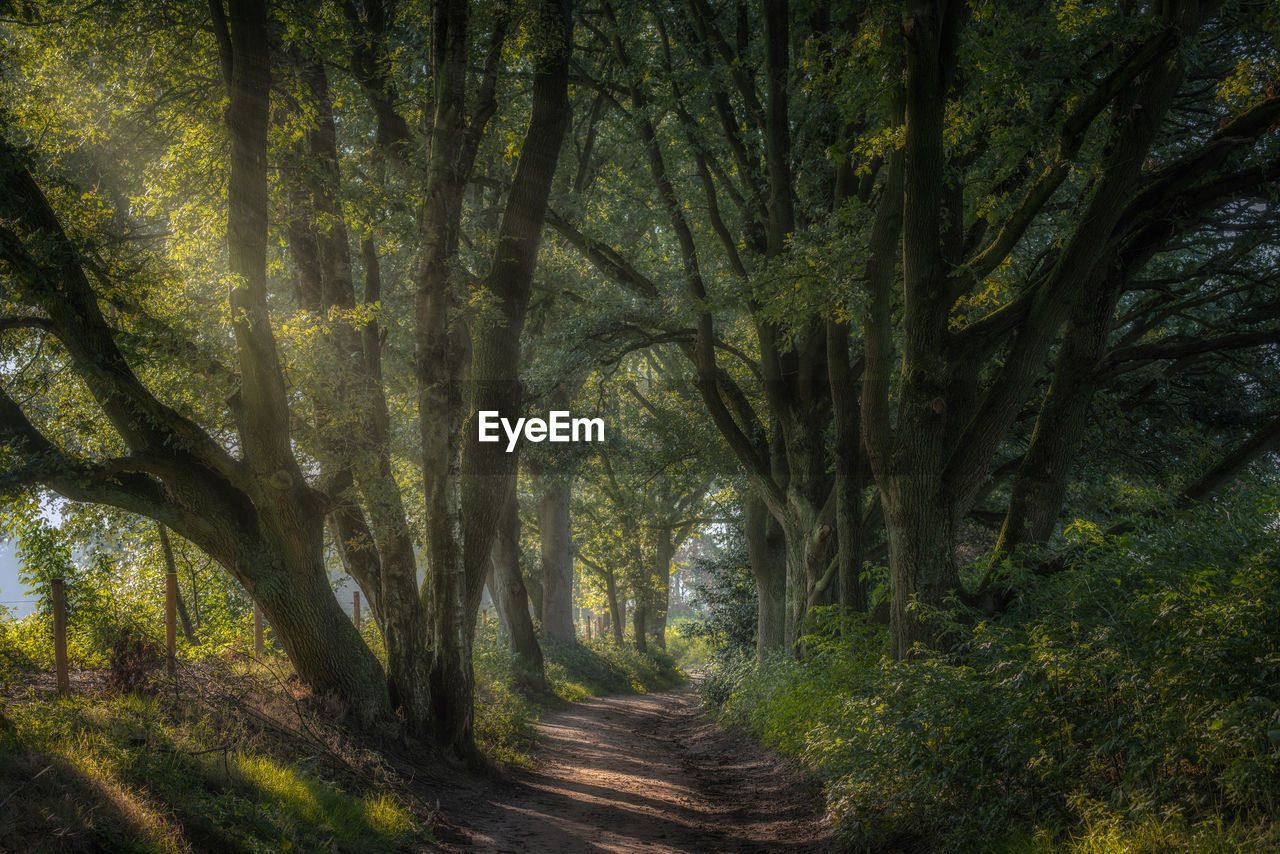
(506, 720)
(598, 667)
(1152, 836)
(137, 773)
(229, 760)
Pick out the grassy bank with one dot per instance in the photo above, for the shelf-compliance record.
(232, 756)
(222, 760)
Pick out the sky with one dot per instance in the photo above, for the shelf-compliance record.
(13, 595)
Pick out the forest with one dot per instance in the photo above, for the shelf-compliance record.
(715, 425)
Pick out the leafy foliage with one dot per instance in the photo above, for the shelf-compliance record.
(727, 593)
(133, 656)
(1138, 688)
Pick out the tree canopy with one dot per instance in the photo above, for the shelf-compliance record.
(898, 292)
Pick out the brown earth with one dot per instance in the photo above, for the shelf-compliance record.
(639, 773)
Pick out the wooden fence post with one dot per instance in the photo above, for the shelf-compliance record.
(171, 621)
(258, 646)
(60, 637)
(355, 608)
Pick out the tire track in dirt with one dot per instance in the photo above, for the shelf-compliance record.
(640, 773)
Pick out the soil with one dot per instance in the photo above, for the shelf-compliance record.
(639, 773)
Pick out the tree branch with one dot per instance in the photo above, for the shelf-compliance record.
(1130, 358)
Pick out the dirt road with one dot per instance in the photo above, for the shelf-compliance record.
(639, 773)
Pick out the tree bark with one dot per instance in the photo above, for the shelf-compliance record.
(664, 550)
(512, 600)
(439, 353)
(465, 487)
(640, 623)
(1040, 483)
(766, 552)
(557, 560)
(617, 618)
(851, 590)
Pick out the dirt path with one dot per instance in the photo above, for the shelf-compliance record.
(639, 773)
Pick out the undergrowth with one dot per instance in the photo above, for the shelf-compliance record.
(223, 761)
(506, 719)
(136, 762)
(1131, 704)
(598, 667)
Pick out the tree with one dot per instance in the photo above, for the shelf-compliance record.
(256, 514)
(511, 597)
(986, 199)
(643, 494)
(253, 483)
(950, 420)
(556, 555)
(777, 413)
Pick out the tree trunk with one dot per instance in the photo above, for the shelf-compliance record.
(466, 489)
(319, 638)
(1040, 484)
(188, 629)
(917, 510)
(557, 561)
(640, 623)
(617, 620)
(533, 583)
(664, 551)
(851, 590)
(921, 572)
(512, 600)
(766, 552)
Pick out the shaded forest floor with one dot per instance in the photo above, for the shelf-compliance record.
(638, 773)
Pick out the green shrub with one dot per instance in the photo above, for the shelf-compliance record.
(726, 675)
(1140, 690)
(689, 651)
(15, 658)
(505, 720)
